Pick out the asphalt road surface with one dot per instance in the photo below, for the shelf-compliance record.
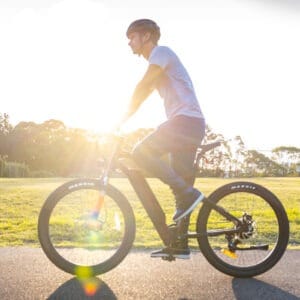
(26, 273)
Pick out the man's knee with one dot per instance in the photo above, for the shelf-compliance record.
(142, 151)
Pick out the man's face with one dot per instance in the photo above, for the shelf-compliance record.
(136, 42)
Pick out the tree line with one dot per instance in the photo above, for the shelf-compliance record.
(52, 149)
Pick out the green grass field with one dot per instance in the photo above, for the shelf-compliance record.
(21, 201)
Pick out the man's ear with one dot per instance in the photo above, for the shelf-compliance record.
(146, 37)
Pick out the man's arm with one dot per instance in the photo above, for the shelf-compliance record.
(143, 89)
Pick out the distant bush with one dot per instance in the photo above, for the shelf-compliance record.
(13, 169)
(2, 167)
(41, 174)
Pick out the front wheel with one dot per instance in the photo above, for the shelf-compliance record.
(251, 241)
(84, 232)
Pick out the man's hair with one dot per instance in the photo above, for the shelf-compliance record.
(143, 26)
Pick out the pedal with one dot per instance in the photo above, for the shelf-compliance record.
(169, 258)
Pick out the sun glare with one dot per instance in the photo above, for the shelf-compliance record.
(70, 61)
(103, 118)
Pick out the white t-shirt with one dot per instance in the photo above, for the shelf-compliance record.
(175, 85)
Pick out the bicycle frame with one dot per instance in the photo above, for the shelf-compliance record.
(151, 204)
(157, 215)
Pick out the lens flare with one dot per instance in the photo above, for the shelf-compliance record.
(90, 286)
(89, 283)
(93, 237)
(117, 222)
(100, 202)
(83, 272)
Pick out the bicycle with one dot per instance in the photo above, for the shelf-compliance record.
(242, 228)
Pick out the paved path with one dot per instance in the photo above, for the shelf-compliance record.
(26, 273)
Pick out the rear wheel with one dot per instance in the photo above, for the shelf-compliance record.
(79, 235)
(260, 238)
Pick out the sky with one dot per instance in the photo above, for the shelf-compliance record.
(70, 60)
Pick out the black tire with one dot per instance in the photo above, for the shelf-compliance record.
(68, 239)
(271, 228)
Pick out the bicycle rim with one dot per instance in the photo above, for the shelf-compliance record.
(260, 245)
(78, 231)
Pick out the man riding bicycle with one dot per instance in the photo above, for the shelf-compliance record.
(179, 136)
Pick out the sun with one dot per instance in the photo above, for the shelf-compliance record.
(102, 117)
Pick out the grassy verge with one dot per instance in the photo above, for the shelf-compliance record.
(21, 200)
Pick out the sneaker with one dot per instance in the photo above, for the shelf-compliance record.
(178, 253)
(186, 203)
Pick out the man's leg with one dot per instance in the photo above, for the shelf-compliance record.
(183, 164)
(176, 135)
(148, 154)
(181, 134)
(180, 137)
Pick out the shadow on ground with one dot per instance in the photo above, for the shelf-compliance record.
(90, 289)
(245, 289)
(95, 288)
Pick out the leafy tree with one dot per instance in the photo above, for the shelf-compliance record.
(52, 148)
(23, 143)
(289, 157)
(5, 129)
(259, 164)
